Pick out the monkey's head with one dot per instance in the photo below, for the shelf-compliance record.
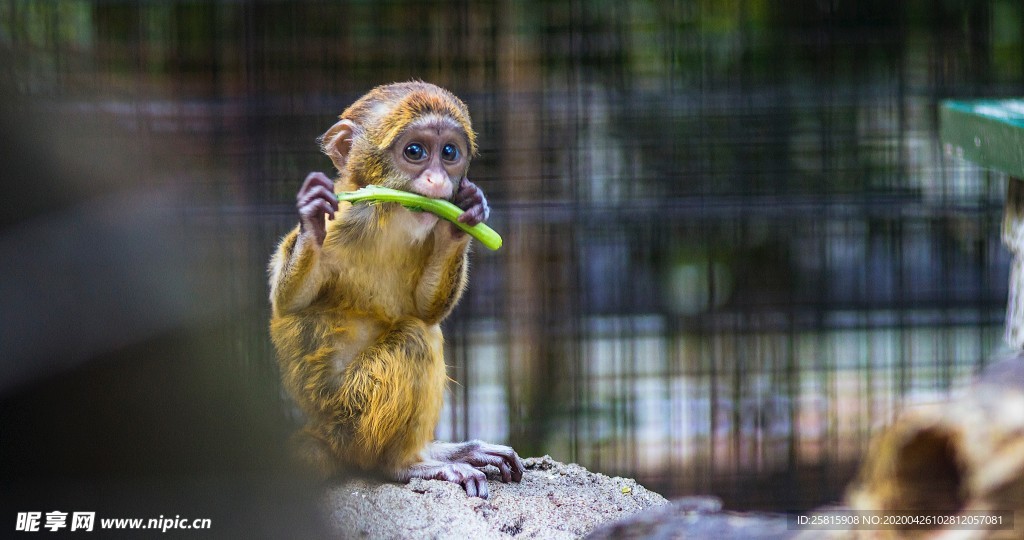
(412, 136)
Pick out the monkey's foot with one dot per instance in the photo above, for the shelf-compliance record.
(472, 479)
(481, 454)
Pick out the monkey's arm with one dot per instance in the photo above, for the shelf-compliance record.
(295, 273)
(444, 276)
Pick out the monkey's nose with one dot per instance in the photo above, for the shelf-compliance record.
(435, 187)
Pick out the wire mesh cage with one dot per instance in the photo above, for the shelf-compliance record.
(733, 243)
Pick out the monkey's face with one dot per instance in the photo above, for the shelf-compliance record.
(433, 156)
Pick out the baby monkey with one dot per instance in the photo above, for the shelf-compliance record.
(358, 293)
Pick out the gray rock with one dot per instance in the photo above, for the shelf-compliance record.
(554, 500)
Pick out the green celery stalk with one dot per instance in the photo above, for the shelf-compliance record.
(439, 207)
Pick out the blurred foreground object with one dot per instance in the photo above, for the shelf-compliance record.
(696, 517)
(964, 457)
(121, 390)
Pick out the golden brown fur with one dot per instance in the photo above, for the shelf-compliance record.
(355, 322)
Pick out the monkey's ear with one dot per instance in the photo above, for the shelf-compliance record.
(338, 141)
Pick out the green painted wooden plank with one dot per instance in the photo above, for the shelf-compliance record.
(987, 132)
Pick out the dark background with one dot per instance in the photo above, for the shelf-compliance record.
(733, 242)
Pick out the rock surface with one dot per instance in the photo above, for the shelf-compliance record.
(554, 500)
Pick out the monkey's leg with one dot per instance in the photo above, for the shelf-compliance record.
(395, 388)
(311, 449)
(480, 454)
(389, 398)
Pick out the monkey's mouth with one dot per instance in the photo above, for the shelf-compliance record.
(439, 193)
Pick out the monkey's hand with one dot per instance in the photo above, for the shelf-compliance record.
(315, 200)
(481, 454)
(470, 198)
(472, 480)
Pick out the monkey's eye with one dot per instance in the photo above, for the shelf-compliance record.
(414, 152)
(450, 152)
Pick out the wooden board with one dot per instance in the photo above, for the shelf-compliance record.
(987, 132)
(990, 133)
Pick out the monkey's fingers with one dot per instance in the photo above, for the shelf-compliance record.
(506, 460)
(509, 462)
(472, 216)
(517, 466)
(478, 486)
(511, 459)
(468, 196)
(314, 210)
(315, 179)
(506, 473)
(470, 486)
(466, 189)
(484, 458)
(320, 193)
(473, 480)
